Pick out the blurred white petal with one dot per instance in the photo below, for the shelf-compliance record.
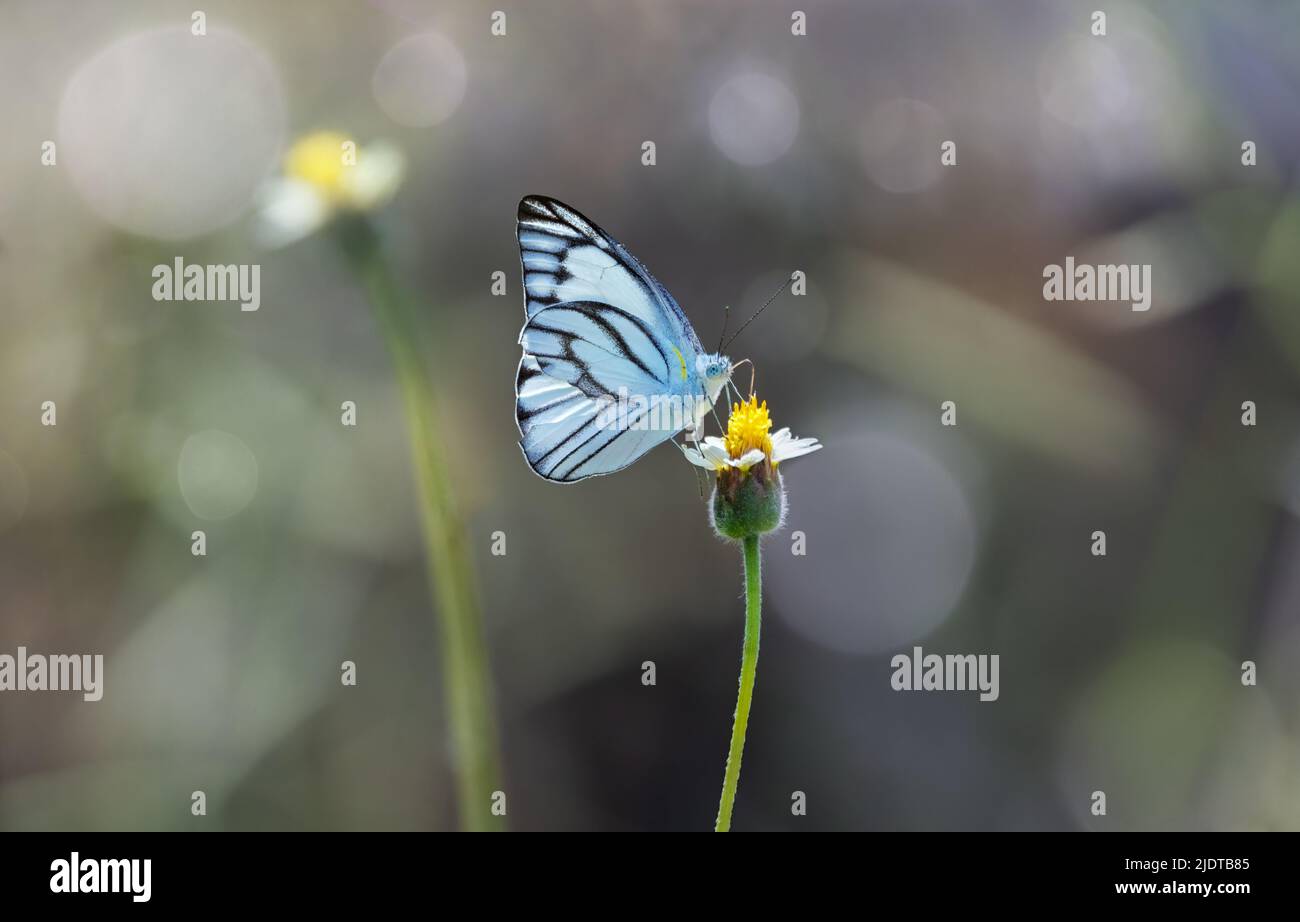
(289, 210)
(376, 176)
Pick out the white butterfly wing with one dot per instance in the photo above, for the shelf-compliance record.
(567, 257)
(562, 434)
(597, 322)
(599, 348)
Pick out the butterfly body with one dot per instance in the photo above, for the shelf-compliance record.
(611, 367)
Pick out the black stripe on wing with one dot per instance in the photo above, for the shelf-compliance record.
(553, 337)
(569, 397)
(545, 251)
(564, 437)
(565, 462)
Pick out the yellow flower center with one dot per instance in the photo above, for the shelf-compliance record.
(318, 159)
(748, 428)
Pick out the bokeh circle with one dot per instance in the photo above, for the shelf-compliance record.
(169, 134)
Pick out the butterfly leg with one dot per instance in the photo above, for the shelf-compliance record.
(714, 410)
(753, 373)
(694, 431)
(701, 478)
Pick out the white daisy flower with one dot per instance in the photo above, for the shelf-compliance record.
(747, 442)
(326, 173)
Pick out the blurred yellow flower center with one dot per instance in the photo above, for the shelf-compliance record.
(748, 428)
(318, 159)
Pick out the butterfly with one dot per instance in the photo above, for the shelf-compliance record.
(611, 367)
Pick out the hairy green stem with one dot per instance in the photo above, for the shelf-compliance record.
(466, 676)
(748, 671)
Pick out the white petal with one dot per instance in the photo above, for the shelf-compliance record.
(716, 452)
(288, 210)
(749, 459)
(376, 176)
(698, 459)
(716, 442)
(794, 448)
(780, 435)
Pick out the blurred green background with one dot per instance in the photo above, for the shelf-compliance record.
(774, 153)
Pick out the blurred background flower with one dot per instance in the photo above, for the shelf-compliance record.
(325, 173)
(774, 153)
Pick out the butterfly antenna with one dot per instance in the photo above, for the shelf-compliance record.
(776, 294)
(726, 315)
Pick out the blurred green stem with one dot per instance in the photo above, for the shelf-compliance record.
(748, 671)
(466, 677)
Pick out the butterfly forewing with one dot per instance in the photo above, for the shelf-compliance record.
(567, 257)
(599, 348)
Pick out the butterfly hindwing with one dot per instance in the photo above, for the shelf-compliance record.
(562, 434)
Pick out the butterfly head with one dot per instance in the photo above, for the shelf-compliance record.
(715, 372)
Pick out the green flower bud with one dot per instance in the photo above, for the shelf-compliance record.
(747, 503)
